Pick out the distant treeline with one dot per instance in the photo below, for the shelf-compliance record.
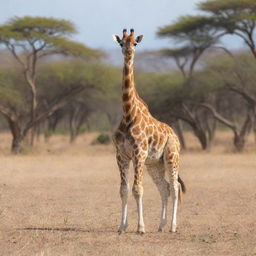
(79, 92)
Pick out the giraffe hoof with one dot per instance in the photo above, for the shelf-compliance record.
(141, 230)
(120, 232)
(160, 229)
(122, 228)
(173, 230)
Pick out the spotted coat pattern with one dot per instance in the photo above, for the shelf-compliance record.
(143, 140)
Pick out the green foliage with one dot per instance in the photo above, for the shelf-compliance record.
(164, 87)
(67, 47)
(41, 26)
(176, 52)
(187, 25)
(101, 85)
(232, 15)
(12, 88)
(45, 35)
(33, 29)
(76, 72)
(230, 6)
(238, 71)
(198, 30)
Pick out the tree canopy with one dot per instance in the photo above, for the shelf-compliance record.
(234, 17)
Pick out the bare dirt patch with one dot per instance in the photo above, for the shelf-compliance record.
(64, 200)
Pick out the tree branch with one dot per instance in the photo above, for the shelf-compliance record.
(7, 113)
(219, 117)
(62, 101)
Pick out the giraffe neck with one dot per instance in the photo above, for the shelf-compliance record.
(128, 88)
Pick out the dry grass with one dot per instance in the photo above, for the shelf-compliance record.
(63, 200)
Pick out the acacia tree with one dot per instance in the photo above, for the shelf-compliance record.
(195, 34)
(29, 39)
(238, 18)
(101, 85)
(233, 76)
(234, 17)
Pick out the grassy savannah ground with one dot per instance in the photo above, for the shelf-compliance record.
(64, 200)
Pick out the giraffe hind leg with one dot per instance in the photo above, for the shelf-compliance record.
(171, 158)
(157, 173)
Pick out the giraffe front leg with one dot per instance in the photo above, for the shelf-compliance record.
(138, 194)
(123, 165)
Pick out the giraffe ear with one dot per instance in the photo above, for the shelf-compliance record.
(139, 38)
(116, 38)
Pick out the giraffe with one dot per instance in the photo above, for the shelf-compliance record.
(144, 141)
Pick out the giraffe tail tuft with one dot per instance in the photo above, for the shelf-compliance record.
(182, 188)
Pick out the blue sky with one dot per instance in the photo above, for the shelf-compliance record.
(97, 20)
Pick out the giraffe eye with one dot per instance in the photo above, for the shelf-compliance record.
(121, 44)
(135, 44)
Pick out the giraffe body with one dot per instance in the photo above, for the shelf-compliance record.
(144, 141)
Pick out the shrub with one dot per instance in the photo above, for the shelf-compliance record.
(103, 138)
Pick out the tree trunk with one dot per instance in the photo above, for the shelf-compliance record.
(239, 142)
(16, 144)
(52, 122)
(31, 82)
(181, 134)
(254, 129)
(72, 126)
(254, 123)
(240, 138)
(194, 122)
(17, 137)
(202, 137)
(73, 135)
(210, 129)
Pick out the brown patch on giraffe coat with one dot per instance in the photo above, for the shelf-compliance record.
(155, 139)
(130, 138)
(119, 158)
(150, 140)
(135, 146)
(127, 83)
(122, 127)
(145, 111)
(126, 69)
(125, 96)
(135, 130)
(118, 137)
(143, 124)
(127, 107)
(146, 119)
(131, 94)
(161, 141)
(160, 128)
(133, 111)
(128, 119)
(137, 118)
(149, 130)
(144, 145)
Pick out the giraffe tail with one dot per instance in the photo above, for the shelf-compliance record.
(182, 188)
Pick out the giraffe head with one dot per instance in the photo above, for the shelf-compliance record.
(128, 42)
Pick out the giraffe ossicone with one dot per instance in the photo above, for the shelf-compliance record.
(144, 141)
